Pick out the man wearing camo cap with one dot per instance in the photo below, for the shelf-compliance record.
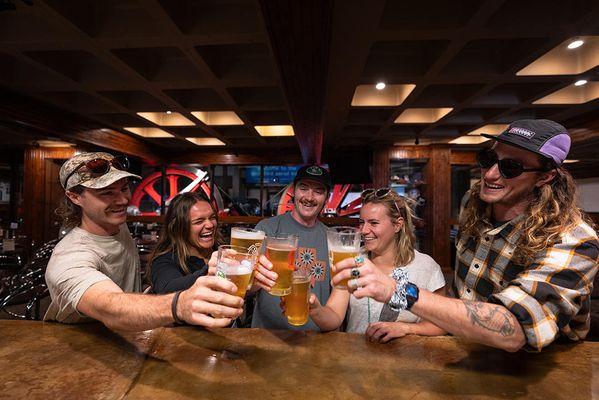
(94, 270)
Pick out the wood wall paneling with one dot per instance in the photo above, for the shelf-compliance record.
(437, 175)
(35, 210)
(380, 167)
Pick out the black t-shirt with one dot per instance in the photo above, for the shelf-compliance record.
(167, 275)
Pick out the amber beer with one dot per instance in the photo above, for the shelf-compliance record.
(236, 264)
(251, 239)
(339, 253)
(240, 275)
(280, 251)
(343, 242)
(296, 302)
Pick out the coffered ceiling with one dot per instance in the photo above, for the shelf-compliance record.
(160, 72)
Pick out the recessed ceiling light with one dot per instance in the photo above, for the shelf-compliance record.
(148, 132)
(274, 130)
(206, 141)
(570, 161)
(216, 118)
(169, 112)
(580, 82)
(370, 96)
(380, 85)
(54, 143)
(575, 44)
(164, 119)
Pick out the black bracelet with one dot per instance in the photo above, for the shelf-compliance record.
(174, 308)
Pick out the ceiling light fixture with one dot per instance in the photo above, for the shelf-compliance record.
(580, 82)
(169, 112)
(575, 44)
(380, 85)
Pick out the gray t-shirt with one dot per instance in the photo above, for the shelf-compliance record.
(312, 254)
(423, 271)
(82, 259)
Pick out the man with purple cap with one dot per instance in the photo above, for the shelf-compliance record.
(94, 270)
(526, 256)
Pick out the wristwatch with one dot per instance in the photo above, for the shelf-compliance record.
(406, 293)
(412, 293)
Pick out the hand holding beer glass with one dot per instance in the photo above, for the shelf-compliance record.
(236, 265)
(280, 251)
(343, 242)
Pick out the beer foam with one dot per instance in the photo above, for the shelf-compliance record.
(343, 249)
(240, 269)
(281, 247)
(241, 234)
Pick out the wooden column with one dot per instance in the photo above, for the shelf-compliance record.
(438, 195)
(380, 167)
(34, 188)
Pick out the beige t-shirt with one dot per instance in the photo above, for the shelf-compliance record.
(423, 271)
(82, 259)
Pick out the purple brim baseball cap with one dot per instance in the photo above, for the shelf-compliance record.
(541, 136)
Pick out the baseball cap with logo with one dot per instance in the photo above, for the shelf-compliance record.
(314, 173)
(541, 136)
(74, 171)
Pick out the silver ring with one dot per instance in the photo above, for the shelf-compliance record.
(355, 272)
(354, 284)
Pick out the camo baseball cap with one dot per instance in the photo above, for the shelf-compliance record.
(70, 179)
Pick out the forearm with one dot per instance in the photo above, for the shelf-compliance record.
(426, 328)
(326, 318)
(134, 312)
(486, 323)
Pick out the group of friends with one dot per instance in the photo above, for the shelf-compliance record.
(526, 256)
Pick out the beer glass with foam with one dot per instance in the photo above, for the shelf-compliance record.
(236, 264)
(343, 242)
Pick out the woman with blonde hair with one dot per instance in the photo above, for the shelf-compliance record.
(186, 243)
(386, 225)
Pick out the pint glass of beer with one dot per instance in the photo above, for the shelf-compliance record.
(280, 250)
(248, 238)
(236, 264)
(343, 242)
(296, 302)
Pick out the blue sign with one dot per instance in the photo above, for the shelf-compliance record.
(273, 174)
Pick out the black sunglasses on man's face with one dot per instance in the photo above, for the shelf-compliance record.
(508, 168)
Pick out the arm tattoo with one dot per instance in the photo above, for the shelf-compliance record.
(491, 317)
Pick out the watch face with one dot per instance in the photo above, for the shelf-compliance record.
(412, 290)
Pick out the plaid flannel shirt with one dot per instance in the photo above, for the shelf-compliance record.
(550, 296)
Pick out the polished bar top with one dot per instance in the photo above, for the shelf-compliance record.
(53, 361)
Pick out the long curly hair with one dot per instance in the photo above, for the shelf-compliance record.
(69, 212)
(553, 210)
(174, 235)
(405, 240)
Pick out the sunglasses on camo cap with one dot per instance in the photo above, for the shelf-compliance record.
(508, 168)
(100, 166)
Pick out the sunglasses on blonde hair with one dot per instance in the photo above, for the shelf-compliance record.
(379, 194)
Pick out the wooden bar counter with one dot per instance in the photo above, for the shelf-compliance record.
(53, 361)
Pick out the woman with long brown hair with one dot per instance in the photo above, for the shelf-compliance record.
(386, 225)
(186, 243)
